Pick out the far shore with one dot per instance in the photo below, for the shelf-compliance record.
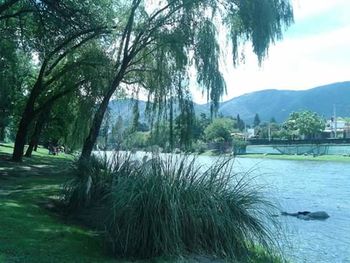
(324, 158)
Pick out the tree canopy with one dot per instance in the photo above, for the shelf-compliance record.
(220, 130)
(149, 46)
(305, 123)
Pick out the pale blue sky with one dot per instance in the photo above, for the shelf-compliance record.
(314, 51)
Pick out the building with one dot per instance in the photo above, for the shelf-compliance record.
(338, 129)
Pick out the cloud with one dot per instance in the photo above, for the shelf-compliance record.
(303, 60)
(306, 9)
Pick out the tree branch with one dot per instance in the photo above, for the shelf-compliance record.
(57, 96)
(64, 54)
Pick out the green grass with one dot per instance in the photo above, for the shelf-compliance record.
(172, 206)
(30, 233)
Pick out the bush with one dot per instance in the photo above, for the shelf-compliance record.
(239, 146)
(171, 206)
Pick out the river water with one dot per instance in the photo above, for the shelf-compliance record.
(307, 186)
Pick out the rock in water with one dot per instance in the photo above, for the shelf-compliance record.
(319, 215)
(306, 215)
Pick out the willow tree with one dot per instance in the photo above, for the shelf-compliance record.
(185, 28)
(86, 82)
(52, 30)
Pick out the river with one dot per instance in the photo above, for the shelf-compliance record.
(307, 186)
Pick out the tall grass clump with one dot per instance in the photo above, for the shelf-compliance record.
(171, 206)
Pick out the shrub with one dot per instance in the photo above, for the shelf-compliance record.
(239, 146)
(171, 206)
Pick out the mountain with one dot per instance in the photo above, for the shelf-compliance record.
(267, 103)
(280, 103)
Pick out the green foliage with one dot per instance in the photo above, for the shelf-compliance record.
(239, 146)
(66, 40)
(137, 140)
(219, 130)
(304, 123)
(171, 206)
(240, 123)
(117, 131)
(262, 22)
(256, 121)
(26, 197)
(207, 63)
(184, 123)
(16, 69)
(136, 116)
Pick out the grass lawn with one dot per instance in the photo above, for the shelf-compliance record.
(30, 233)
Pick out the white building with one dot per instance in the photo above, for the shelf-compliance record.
(339, 127)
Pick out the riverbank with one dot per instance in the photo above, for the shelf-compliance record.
(31, 232)
(323, 158)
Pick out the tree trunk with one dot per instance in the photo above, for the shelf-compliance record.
(2, 133)
(171, 124)
(21, 138)
(96, 125)
(36, 134)
(26, 119)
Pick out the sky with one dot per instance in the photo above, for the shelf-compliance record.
(315, 51)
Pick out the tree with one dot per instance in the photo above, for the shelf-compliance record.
(240, 123)
(15, 70)
(256, 121)
(53, 32)
(184, 124)
(117, 131)
(88, 79)
(147, 38)
(219, 130)
(305, 123)
(136, 117)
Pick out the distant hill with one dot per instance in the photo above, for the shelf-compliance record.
(124, 108)
(268, 103)
(280, 103)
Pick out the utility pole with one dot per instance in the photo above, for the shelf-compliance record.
(335, 121)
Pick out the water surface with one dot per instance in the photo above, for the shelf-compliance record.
(311, 186)
(306, 186)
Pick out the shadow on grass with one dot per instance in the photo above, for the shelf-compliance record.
(29, 232)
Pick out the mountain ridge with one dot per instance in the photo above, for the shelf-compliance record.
(280, 103)
(270, 103)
